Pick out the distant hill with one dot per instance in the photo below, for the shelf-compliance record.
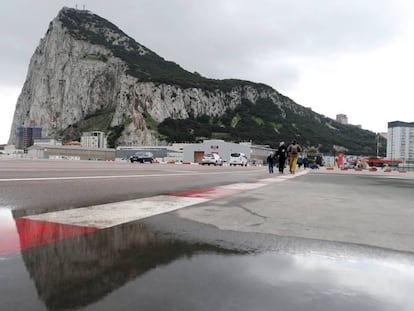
(86, 74)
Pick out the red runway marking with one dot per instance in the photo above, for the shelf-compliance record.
(33, 233)
(26, 233)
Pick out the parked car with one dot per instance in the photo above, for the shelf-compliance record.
(211, 158)
(142, 157)
(347, 165)
(238, 158)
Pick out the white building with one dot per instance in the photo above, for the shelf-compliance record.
(39, 151)
(342, 118)
(47, 141)
(93, 140)
(195, 152)
(172, 152)
(400, 141)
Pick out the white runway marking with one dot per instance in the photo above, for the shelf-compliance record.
(113, 214)
(98, 177)
(242, 186)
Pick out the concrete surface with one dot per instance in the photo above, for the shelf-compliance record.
(369, 209)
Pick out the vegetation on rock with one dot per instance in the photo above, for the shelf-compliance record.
(263, 122)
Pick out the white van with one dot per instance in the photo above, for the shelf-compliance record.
(238, 158)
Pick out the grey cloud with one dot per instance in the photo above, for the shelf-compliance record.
(217, 38)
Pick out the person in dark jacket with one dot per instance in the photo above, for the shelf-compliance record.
(282, 155)
(270, 163)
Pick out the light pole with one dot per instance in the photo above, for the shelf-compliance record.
(377, 144)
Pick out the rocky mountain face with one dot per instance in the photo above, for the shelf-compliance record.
(86, 74)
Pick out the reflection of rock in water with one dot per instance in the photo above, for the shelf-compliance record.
(80, 270)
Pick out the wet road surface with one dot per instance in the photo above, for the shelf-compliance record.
(38, 186)
(137, 267)
(227, 253)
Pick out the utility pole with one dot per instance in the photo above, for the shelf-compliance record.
(377, 136)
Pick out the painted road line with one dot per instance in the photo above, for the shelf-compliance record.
(182, 173)
(91, 177)
(243, 186)
(283, 177)
(209, 193)
(42, 229)
(113, 214)
(271, 180)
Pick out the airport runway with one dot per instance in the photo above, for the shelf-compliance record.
(104, 236)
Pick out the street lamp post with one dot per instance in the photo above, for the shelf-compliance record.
(377, 136)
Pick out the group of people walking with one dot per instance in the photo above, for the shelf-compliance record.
(282, 154)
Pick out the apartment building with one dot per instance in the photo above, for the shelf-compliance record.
(25, 136)
(400, 141)
(94, 139)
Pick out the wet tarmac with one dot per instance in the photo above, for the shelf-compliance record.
(147, 265)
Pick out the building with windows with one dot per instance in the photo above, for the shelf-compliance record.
(26, 135)
(94, 139)
(400, 141)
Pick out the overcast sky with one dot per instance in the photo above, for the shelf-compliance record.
(354, 57)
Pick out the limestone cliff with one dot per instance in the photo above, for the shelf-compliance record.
(78, 71)
(86, 74)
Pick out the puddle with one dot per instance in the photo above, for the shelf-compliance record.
(131, 268)
(20, 233)
(9, 238)
(271, 281)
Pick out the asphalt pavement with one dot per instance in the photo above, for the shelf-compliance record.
(368, 209)
(200, 238)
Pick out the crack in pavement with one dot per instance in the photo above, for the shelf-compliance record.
(252, 213)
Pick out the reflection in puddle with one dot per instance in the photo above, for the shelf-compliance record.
(20, 233)
(388, 280)
(131, 268)
(78, 271)
(269, 281)
(9, 238)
